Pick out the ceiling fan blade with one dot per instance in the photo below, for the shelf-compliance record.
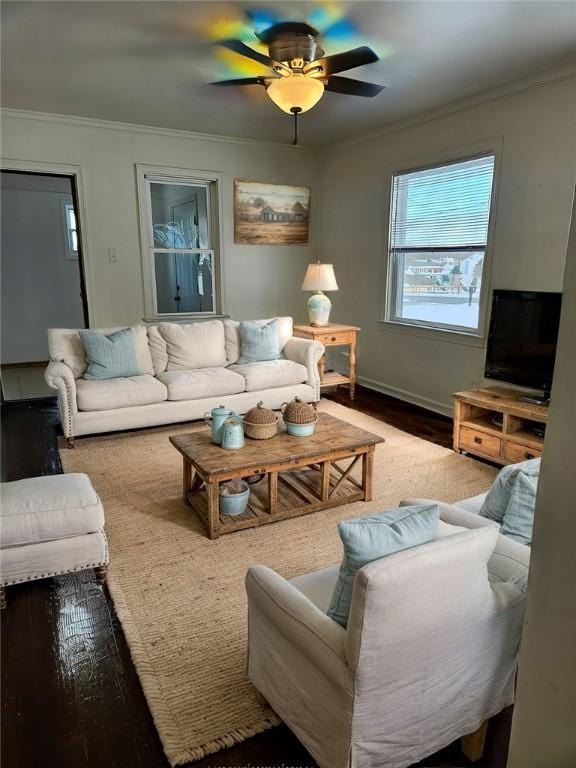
(244, 50)
(352, 87)
(339, 62)
(242, 81)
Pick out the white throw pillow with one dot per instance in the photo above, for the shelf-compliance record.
(65, 345)
(231, 329)
(194, 345)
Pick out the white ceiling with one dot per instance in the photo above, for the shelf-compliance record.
(151, 62)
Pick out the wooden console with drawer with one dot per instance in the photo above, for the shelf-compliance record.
(495, 424)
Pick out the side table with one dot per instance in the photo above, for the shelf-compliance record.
(333, 335)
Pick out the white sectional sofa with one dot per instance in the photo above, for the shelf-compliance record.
(172, 387)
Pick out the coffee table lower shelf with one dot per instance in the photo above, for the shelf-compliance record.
(286, 494)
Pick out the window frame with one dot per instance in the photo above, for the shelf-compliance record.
(442, 331)
(67, 203)
(212, 182)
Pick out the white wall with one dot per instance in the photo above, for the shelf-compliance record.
(40, 286)
(538, 130)
(544, 724)
(259, 281)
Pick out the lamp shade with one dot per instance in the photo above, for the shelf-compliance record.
(295, 92)
(320, 277)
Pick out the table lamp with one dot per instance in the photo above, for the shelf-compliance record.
(319, 278)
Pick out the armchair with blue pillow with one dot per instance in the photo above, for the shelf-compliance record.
(427, 606)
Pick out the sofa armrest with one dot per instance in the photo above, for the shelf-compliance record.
(510, 562)
(59, 376)
(298, 622)
(307, 353)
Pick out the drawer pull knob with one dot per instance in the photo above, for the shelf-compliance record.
(528, 455)
(333, 338)
(478, 440)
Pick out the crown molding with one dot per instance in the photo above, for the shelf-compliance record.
(93, 122)
(538, 80)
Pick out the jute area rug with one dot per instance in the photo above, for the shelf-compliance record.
(180, 597)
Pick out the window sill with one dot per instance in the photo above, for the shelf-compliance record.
(438, 334)
(184, 318)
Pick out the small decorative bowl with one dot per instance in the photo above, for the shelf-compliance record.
(234, 497)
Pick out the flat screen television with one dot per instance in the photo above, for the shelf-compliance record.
(522, 338)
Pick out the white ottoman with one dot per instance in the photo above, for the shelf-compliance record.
(48, 526)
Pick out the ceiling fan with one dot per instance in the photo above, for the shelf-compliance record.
(300, 70)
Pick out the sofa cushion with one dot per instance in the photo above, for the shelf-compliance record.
(111, 355)
(119, 393)
(202, 382)
(65, 345)
(366, 539)
(158, 349)
(49, 508)
(259, 342)
(194, 345)
(271, 374)
(232, 332)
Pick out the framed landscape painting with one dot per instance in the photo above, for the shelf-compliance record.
(270, 214)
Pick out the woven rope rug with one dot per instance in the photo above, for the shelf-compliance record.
(180, 597)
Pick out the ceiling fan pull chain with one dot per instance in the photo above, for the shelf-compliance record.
(295, 111)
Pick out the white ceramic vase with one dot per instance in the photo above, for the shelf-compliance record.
(319, 306)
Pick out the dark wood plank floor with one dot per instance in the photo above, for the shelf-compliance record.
(70, 694)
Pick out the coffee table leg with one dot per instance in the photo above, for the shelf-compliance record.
(272, 491)
(325, 480)
(186, 479)
(213, 491)
(367, 466)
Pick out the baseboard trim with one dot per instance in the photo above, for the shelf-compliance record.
(409, 397)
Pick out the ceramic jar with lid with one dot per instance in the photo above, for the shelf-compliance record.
(300, 418)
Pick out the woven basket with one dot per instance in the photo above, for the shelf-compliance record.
(260, 423)
(298, 412)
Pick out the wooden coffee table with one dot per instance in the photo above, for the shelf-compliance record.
(303, 474)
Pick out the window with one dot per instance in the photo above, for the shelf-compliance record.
(438, 236)
(71, 231)
(180, 243)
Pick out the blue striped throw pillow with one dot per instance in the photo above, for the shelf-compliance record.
(110, 356)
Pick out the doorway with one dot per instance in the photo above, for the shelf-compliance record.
(42, 275)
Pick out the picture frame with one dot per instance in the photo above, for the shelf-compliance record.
(271, 214)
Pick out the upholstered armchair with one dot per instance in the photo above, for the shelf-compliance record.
(428, 656)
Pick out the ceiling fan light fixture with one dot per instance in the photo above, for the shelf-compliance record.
(296, 93)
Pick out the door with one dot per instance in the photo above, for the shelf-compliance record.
(41, 265)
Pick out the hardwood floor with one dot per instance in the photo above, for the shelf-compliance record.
(70, 694)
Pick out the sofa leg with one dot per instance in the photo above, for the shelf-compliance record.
(69, 442)
(101, 572)
(2, 598)
(473, 743)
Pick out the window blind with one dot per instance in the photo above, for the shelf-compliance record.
(442, 208)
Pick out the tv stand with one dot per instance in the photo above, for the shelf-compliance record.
(499, 424)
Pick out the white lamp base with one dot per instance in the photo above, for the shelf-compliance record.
(319, 306)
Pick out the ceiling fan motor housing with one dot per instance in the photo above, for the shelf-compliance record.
(297, 49)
